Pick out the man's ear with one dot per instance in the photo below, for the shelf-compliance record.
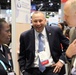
(46, 21)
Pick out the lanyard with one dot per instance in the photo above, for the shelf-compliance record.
(2, 63)
(9, 62)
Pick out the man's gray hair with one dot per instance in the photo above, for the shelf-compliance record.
(73, 4)
(70, 5)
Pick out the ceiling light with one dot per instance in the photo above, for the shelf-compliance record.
(49, 0)
(50, 4)
(8, 1)
(57, 3)
(41, 4)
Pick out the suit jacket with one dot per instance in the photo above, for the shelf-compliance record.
(72, 38)
(72, 34)
(27, 46)
(5, 60)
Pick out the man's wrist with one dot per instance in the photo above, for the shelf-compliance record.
(62, 61)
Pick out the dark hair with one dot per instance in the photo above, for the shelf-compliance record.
(1, 23)
(65, 23)
(62, 24)
(67, 32)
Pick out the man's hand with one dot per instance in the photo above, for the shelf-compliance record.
(71, 51)
(58, 67)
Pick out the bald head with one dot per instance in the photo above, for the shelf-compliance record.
(70, 12)
(38, 21)
(38, 12)
(70, 5)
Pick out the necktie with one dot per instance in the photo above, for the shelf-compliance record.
(41, 48)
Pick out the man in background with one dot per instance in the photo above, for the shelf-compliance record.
(70, 18)
(47, 60)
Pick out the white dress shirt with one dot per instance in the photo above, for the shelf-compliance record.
(47, 50)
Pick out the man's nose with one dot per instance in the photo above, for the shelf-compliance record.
(38, 23)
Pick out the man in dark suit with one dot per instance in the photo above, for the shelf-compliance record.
(5, 55)
(52, 57)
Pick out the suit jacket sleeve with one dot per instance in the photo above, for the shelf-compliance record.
(65, 43)
(22, 54)
(58, 38)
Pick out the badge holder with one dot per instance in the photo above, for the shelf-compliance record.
(11, 73)
(44, 61)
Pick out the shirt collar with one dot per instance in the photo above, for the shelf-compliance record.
(43, 32)
(1, 48)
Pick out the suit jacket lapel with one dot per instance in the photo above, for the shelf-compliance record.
(3, 58)
(49, 36)
(5, 53)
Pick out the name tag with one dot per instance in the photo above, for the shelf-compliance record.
(45, 62)
(11, 73)
(43, 58)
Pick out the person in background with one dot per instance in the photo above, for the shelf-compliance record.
(67, 33)
(47, 60)
(6, 64)
(61, 26)
(70, 18)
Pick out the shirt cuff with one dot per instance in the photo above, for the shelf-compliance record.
(61, 61)
(23, 71)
